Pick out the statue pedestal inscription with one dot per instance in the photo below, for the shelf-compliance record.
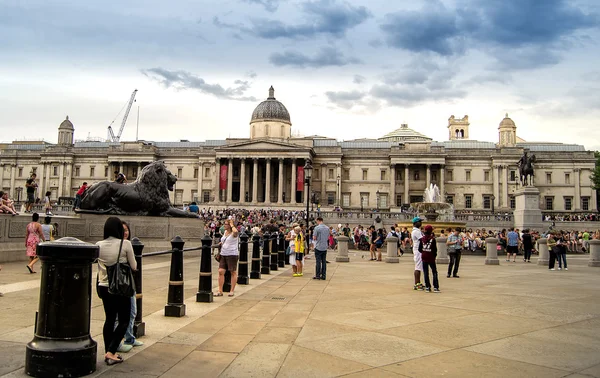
(527, 212)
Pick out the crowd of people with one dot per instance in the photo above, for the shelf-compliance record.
(590, 217)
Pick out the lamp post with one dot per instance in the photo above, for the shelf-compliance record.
(307, 176)
(337, 193)
(378, 196)
(493, 200)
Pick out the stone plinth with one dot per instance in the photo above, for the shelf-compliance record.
(594, 253)
(544, 254)
(342, 255)
(491, 253)
(392, 250)
(527, 212)
(442, 251)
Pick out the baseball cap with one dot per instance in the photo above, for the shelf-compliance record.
(417, 219)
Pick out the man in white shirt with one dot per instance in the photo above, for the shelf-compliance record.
(416, 236)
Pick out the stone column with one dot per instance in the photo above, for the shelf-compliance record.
(491, 254)
(406, 180)
(69, 177)
(48, 168)
(428, 175)
(577, 182)
(496, 186)
(1, 176)
(505, 187)
(229, 180)
(200, 178)
(268, 181)
(13, 170)
(342, 255)
(243, 180)
(392, 250)
(294, 183)
(339, 187)
(594, 253)
(61, 180)
(40, 175)
(392, 198)
(280, 183)
(323, 199)
(255, 181)
(442, 251)
(217, 177)
(544, 254)
(443, 181)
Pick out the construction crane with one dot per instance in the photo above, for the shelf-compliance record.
(111, 134)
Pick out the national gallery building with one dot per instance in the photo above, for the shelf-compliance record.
(266, 170)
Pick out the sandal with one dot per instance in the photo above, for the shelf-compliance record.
(230, 295)
(219, 295)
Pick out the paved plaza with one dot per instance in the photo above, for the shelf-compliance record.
(512, 320)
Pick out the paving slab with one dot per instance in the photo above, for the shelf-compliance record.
(365, 320)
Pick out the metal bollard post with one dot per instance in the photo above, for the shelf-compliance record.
(139, 327)
(255, 268)
(285, 245)
(281, 250)
(266, 259)
(274, 252)
(243, 278)
(175, 306)
(62, 345)
(205, 293)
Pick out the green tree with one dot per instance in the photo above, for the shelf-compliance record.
(595, 177)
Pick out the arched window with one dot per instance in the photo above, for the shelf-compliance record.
(457, 134)
(282, 131)
(462, 133)
(266, 130)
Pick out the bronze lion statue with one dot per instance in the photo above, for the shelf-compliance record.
(148, 195)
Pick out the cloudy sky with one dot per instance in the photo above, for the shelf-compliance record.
(344, 69)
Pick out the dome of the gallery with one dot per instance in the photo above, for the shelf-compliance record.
(271, 110)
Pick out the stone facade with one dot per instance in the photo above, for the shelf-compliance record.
(366, 174)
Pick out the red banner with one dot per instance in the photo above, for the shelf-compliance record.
(300, 180)
(223, 180)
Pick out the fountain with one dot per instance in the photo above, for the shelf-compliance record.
(434, 206)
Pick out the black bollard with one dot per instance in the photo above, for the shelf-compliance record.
(243, 278)
(139, 327)
(287, 258)
(281, 250)
(266, 259)
(175, 306)
(274, 252)
(205, 293)
(255, 268)
(62, 345)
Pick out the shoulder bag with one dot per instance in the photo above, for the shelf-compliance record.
(120, 278)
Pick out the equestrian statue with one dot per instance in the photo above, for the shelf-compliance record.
(526, 172)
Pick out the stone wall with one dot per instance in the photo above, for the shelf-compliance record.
(154, 232)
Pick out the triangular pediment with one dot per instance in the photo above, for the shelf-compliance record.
(262, 145)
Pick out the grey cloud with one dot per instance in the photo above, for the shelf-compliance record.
(323, 17)
(535, 29)
(327, 56)
(433, 28)
(185, 80)
(269, 5)
(411, 96)
(345, 99)
(358, 79)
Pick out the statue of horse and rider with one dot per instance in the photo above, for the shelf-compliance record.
(526, 173)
